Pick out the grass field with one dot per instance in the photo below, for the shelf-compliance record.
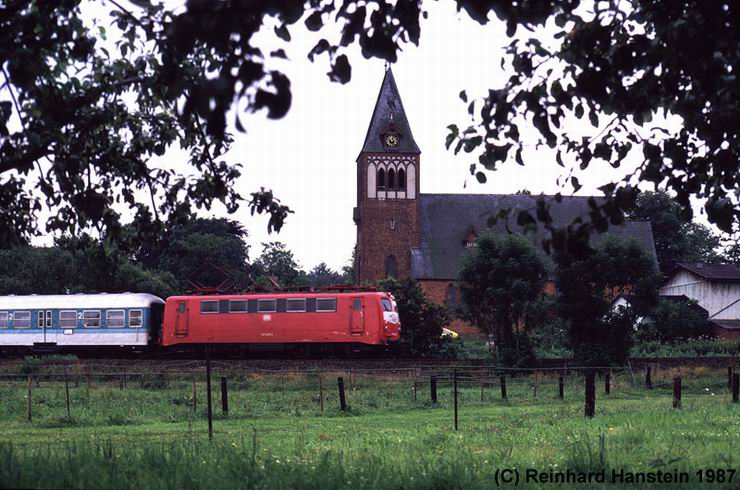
(277, 436)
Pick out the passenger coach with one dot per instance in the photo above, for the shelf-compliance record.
(367, 318)
(128, 319)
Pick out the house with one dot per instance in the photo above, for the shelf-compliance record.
(404, 233)
(716, 288)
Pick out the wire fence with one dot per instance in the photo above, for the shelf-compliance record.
(191, 391)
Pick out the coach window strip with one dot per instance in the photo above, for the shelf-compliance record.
(266, 306)
(209, 306)
(91, 318)
(295, 305)
(115, 318)
(22, 319)
(135, 318)
(326, 305)
(68, 318)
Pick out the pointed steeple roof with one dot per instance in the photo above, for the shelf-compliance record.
(389, 110)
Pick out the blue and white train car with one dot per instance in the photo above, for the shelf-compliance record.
(128, 319)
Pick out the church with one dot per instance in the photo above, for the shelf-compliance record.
(404, 233)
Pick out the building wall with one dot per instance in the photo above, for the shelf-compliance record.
(720, 299)
(725, 333)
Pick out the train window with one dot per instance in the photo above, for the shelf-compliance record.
(41, 319)
(22, 319)
(115, 318)
(135, 318)
(266, 305)
(48, 318)
(326, 304)
(182, 307)
(91, 318)
(209, 306)
(4, 319)
(357, 304)
(238, 306)
(387, 306)
(295, 305)
(68, 318)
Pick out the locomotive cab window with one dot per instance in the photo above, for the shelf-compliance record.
(295, 305)
(387, 305)
(238, 306)
(4, 322)
(266, 305)
(91, 318)
(68, 318)
(326, 304)
(22, 319)
(135, 318)
(209, 306)
(115, 318)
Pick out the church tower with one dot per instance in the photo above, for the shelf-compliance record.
(387, 212)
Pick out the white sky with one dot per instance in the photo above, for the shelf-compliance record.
(308, 158)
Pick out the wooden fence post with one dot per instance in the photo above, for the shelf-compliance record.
(648, 378)
(482, 385)
(433, 388)
(195, 395)
(321, 393)
(607, 381)
(208, 393)
(677, 392)
(735, 387)
(590, 406)
(66, 391)
(503, 387)
(30, 397)
(729, 378)
(561, 387)
(342, 399)
(414, 389)
(224, 396)
(454, 393)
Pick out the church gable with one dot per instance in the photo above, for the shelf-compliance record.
(447, 221)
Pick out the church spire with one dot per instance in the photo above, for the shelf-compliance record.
(389, 117)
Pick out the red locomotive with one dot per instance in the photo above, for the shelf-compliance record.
(369, 318)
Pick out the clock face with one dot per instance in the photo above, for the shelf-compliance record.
(391, 140)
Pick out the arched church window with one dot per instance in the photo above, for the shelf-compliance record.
(391, 266)
(401, 180)
(381, 179)
(391, 179)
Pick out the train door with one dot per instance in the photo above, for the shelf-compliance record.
(47, 326)
(357, 321)
(181, 319)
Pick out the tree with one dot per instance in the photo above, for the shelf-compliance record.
(675, 320)
(322, 275)
(421, 320)
(187, 247)
(91, 120)
(186, 70)
(676, 240)
(499, 280)
(732, 253)
(598, 335)
(277, 261)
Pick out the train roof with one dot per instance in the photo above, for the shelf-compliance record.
(288, 294)
(79, 301)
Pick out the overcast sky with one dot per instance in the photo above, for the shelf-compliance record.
(308, 158)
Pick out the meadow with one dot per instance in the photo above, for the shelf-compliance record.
(276, 434)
